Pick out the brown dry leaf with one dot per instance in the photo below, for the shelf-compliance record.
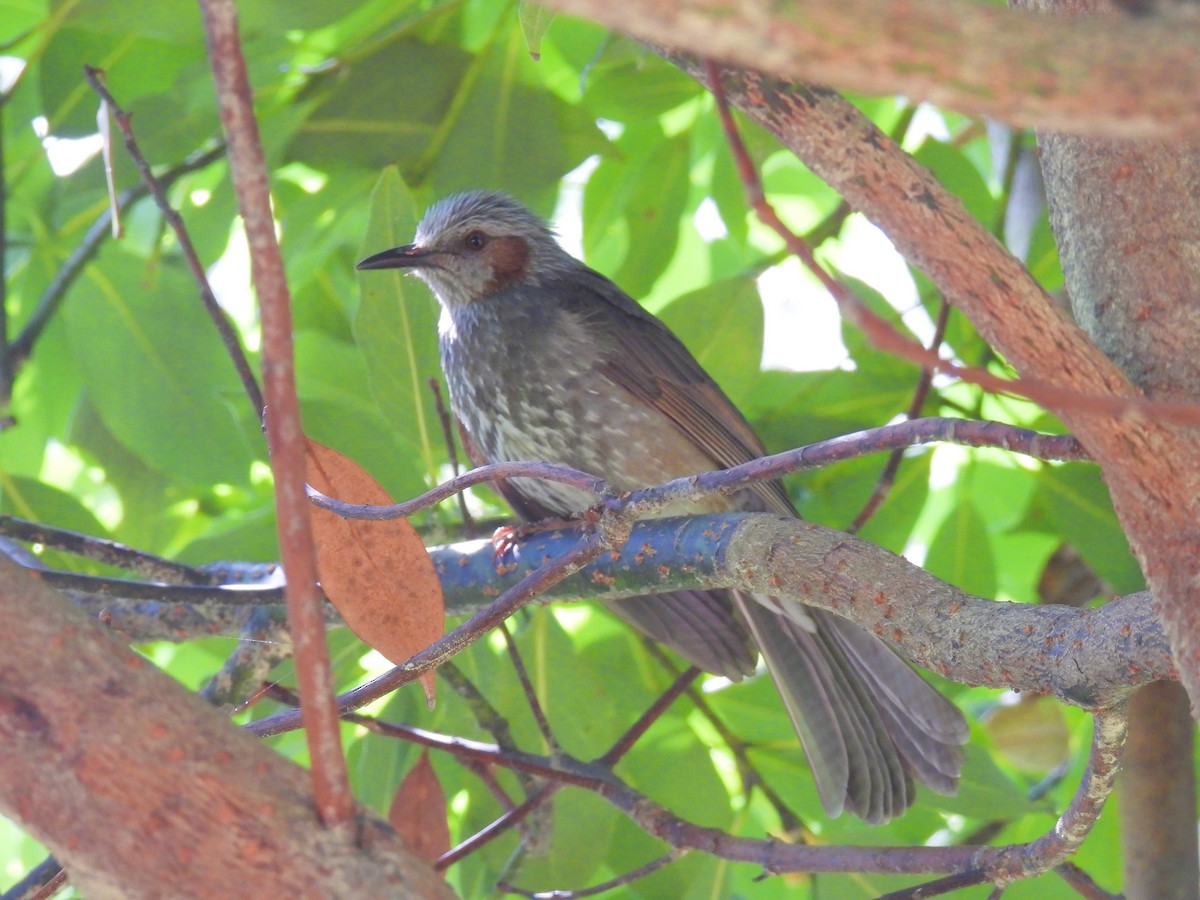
(377, 574)
(418, 812)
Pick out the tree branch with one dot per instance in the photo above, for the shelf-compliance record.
(135, 783)
(1122, 76)
(314, 674)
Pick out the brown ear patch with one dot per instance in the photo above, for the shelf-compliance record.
(509, 256)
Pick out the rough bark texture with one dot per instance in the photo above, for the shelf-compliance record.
(1137, 76)
(1128, 229)
(136, 785)
(1158, 796)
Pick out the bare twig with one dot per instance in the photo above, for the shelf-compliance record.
(112, 553)
(938, 887)
(445, 418)
(99, 586)
(1083, 883)
(690, 487)
(531, 697)
(314, 675)
(920, 394)
(887, 339)
(974, 864)
(610, 758)
(480, 475)
(46, 875)
(225, 328)
(99, 231)
(1110, 728)
(620, 881)
(581, 552)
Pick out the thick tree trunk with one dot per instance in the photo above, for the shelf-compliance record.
(1128, 229)
(140, 789)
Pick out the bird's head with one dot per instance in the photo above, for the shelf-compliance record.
(471, 246)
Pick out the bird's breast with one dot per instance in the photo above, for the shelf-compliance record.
(530, 389)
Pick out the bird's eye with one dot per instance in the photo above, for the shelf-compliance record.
(475, 240)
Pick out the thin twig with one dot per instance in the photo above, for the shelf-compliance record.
(451, 449)
(225, 328)
(96, 235)
(620, 881)
(610, 758)
(147, 565)
(37, 880)
(966, 432)
(887, 477)
(285, 435)
(531, 697)
(580, 554)
(162, 592)
(1083, 883)
(888, 340)
(480, 475)
(1109, 730)
(652, 714)
(939, 886)
(789, 821)
(1000, 865)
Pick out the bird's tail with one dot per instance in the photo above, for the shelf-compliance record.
(868, 723)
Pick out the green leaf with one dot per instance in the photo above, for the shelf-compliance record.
(535, 20)
(380, 108)
(722, 325)
(157, 373)
(632, 207)
(136, 65)
(1074, 500)
(961, 552)
(396, 329)
(503, 133)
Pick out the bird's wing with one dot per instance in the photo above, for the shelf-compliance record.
(644, 358)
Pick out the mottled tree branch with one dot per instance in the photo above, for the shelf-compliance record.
(1125, 76)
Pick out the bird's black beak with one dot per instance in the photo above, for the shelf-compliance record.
(410, 256)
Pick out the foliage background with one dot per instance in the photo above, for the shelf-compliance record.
(130, 424)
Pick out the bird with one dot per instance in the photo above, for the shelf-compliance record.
(547, 359)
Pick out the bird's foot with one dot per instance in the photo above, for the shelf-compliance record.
(506, 538)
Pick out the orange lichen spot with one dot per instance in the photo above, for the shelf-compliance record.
(254, 850)
(897, 634)
(649, 551)
(664, 571)
(601, 578)
(1134, 669)
(955, 608)
(1027, 630)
